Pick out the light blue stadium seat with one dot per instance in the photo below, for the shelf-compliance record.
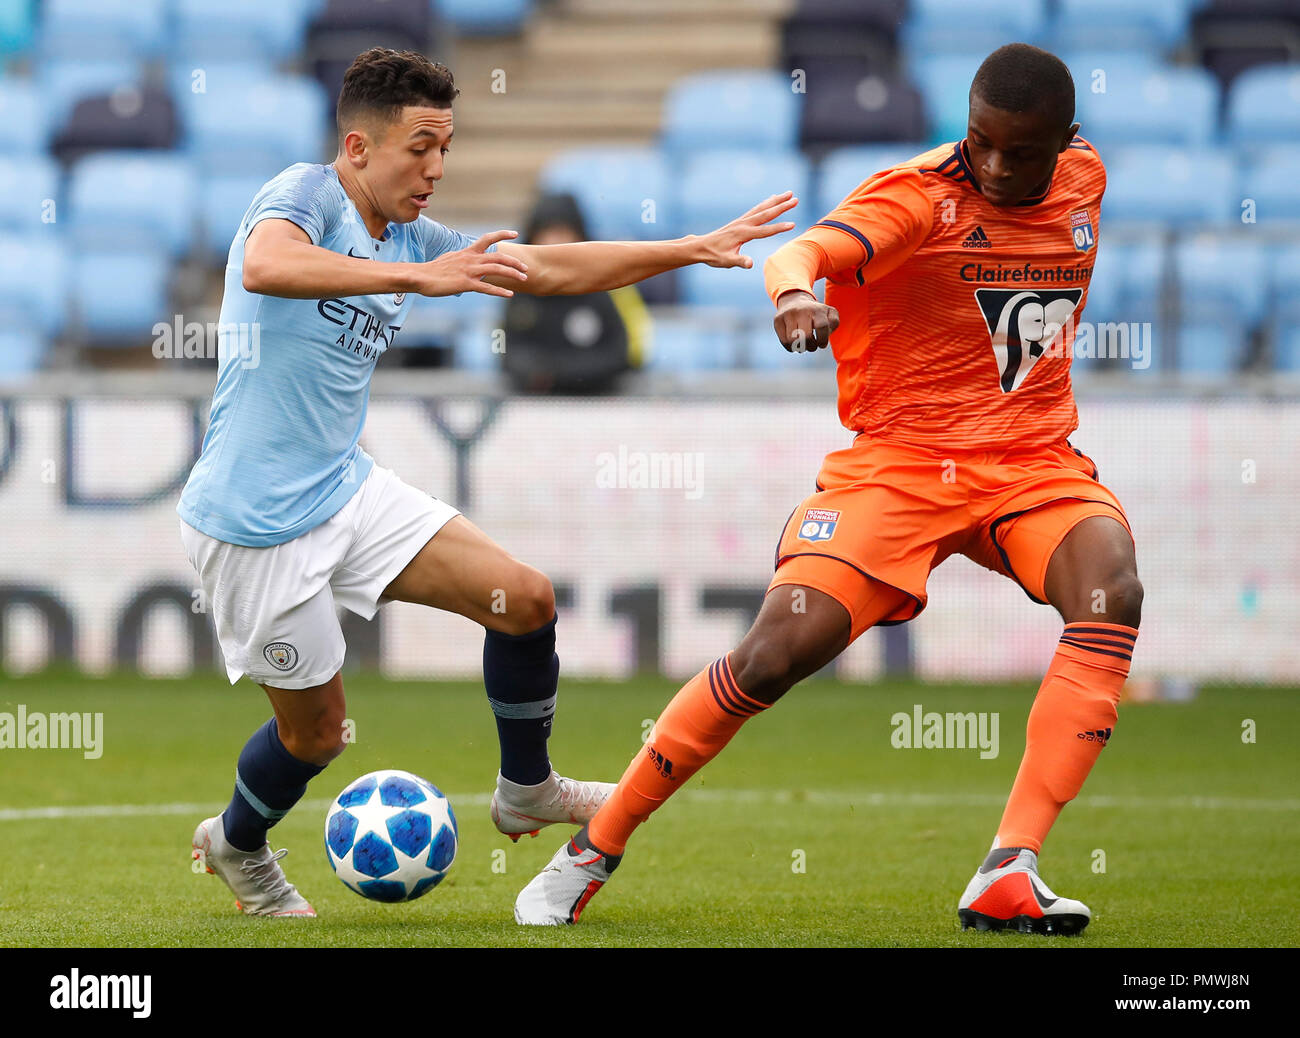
(1181, 186)
(472, 341)
(1221, 280)
(1272, 180)
(1284, 291)
(120, 293)
(1177, 106)
(1154, 25)
(136, 199)
(1264, 106)
(34, 278)
(223, 200)
(26, 185)
(1108, 69)
(844, 169)
(266, 123)
(718, 186)
(761, 350)
(961, 27)
(241, 28)
(732, 287)
(1211, 348)
(686, 344)
(25, 117)
(21, 353)
(749, 109)
(1125, 300)
(65, 81)
(192, 81)
(624, 193)
(17, 26)
(99, 27)
(944, 80)
(484, 17)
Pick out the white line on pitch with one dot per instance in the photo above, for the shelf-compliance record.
(841, 798)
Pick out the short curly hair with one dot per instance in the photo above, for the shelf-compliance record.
(1022, 78)
(381, 82)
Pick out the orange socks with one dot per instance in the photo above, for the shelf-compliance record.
(692, 730)
(1072, 718)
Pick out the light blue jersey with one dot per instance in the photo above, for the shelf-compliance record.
(282, 450)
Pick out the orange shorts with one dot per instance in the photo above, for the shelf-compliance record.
(893, 511)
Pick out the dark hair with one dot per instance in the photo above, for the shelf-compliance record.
(381, 82)
(560, 209)
(1021, 78)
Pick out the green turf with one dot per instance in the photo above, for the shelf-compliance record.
(1199, 830)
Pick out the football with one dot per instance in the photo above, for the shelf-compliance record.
(391, 836)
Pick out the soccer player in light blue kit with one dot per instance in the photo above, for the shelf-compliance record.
(285, 517)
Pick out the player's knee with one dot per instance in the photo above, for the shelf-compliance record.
(1123, 599)
(529, 604)
(764, 669)
(318, 741)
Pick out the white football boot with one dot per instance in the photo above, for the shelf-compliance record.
(255, 877)
(520, 809)
(1008, 893)
(557, 895)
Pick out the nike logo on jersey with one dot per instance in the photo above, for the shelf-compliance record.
(977, 239)
(354, 255)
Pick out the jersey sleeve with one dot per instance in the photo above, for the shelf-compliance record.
(304, 197)
(876, 228)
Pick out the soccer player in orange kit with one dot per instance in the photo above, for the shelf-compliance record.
(953, 281)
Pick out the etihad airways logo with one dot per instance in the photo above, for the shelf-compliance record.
(367, 341)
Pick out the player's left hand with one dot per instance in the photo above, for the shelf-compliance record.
(721, 248)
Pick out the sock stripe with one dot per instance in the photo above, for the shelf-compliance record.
(718, 677)
(729, 679)
(1126, 656)
(1101, 643)
(1127, 633)
(523, 711)
(267, 812)
(713, 687)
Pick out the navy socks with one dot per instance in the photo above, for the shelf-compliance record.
(520, 673)
(268, 782)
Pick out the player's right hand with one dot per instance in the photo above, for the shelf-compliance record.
(802, 323)
(465, 269)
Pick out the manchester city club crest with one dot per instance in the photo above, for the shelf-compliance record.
(281, 655)
(398, 297)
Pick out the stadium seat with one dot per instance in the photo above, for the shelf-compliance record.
(1211, 348)
(191, 81)
(33, 283)
(1221, 279)
(1284, 291)
(1155, 25)
(17, 26)
(223, 200)
(1165, 106)
(129, 118)
(737, 288)
(845, 107)
(1272, 179)
(120, 293)
(844, 169)
(750, 109)
(21, 353)
(1125, 305)
(272, 122)
(1264, 106)
(65, 81)
(1175, 185)
(247, 28)
(95, 27)
(484, 17)
(693, 343)
(25, 116)
(113, 199)
(822, 32)
(944, 81)
(26, 186)
(961, 27)
(613, 187)
(715, 187)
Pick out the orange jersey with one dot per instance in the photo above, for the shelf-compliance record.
(956, 316)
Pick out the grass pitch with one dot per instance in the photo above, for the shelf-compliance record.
(810, 829)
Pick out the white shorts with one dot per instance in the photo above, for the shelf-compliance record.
(275, 608)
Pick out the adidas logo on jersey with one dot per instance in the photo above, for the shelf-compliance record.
(977, 239)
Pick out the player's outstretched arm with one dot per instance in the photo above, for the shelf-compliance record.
(280, 260)
(599, 266)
